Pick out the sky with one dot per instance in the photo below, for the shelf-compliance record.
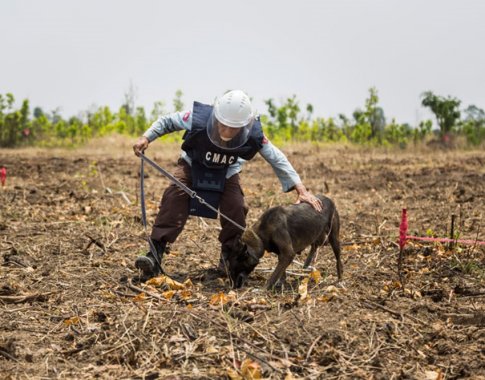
(76, 55)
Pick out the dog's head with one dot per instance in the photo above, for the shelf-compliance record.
(241, 262)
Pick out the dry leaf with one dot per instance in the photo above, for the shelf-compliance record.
(211, 350)
(168, 294)
(256, 301)
(185, 294)
(397, 284)
(324, 298)
(416, 294)
(156, 281)
(219, 298)
(303, 289)
(391, 285)
(140, 297)
(376, 241)
(165, 280)
(250, 370)
(71, 321)
(316, 276)
(233, 375)
(188, 283)
(332, 290)
(433, 375)
(174, 285)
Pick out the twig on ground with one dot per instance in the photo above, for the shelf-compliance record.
(369, 303)
(27, 298)
(8, 356)
(312, 346)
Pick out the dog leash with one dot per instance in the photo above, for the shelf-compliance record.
(182, 186)
(153, 250)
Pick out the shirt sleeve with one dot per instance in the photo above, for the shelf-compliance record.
(283, 169)
(177, 121)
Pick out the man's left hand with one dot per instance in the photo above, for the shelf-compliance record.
(305, 196)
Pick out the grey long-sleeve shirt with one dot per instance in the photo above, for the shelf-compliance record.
(182, 121)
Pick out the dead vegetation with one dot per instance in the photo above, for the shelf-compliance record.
(70, 230)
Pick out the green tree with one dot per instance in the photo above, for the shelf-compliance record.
(12, 122)
(327, 130)
(374, 114)
(141, 122)
(473, 126)
(11, 127)
(40, 125)
(423, 130)
(178, 104)
(73, 129)
(101, 120)
(283, 121)
(397, 134)
(157, 110)
(475, 114)
(446, 110)
(370, 122)
(38, 112)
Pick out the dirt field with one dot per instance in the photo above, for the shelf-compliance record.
(70, 230)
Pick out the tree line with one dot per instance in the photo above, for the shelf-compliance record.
(287, 121)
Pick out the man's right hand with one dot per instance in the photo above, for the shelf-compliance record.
(140, 146)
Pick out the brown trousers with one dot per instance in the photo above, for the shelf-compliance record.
(174, 209)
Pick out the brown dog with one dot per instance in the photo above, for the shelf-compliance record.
(286, 231)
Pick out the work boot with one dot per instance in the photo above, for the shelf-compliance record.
(148, 264)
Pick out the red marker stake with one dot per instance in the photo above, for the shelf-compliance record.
(403, 229)
(3, 175)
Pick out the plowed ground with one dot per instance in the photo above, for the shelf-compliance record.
(70, 230)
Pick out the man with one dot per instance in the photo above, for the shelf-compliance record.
(218, 139)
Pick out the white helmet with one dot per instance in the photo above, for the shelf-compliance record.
(233, 110)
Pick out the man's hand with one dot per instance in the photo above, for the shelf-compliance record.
(140, 146)
(305, 196)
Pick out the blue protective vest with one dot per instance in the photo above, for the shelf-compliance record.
(210, 162)
(199, 147)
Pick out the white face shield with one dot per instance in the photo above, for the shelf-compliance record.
(227, 137)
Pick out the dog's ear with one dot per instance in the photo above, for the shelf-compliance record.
(249, 236)
(253, 242)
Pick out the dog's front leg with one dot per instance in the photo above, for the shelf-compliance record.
(284, 260)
